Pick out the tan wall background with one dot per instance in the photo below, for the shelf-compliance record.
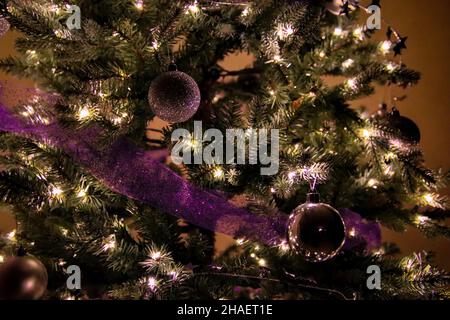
(428, 104)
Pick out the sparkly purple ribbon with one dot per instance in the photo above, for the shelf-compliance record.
(133, 172)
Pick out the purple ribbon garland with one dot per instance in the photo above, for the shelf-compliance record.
(131, 171)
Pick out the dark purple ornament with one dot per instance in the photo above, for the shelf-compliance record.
(408, 129)
(174, 96)
(22, 278)
(316, 230)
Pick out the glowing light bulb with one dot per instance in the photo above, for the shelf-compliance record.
(338, 32)
(139, 4)
(156, 255)
(352, 83)
(11, 235)
(348, 63)
(386, 46)
(193, 8)
(391, 67)
(262, 262)
(152, 283)
(352, 232)
(84, 113)
(218, 173)
(81, 194)
(373, 183)
(245, 12)
(56, 192)
(421, 220)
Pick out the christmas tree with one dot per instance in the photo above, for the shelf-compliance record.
(271, 155)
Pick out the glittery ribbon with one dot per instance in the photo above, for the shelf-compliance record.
(133, 172)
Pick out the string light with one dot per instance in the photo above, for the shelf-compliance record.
(11, 235)
(422, 220)
(262, 262)
(391, 67)
(246, 12)
(155, 255)
(373, 183)
(218, 173)
(81, 194)
(2, 258)
(338, 32)
(352, 84)
(352, 232)
(322, 54)
(84, 113)
(385, 46)
(56, 192)
(193, 8)
(152, 283)
(358, 33)
(139, 4)
(348, 63)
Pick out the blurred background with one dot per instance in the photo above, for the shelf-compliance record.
(428, 104)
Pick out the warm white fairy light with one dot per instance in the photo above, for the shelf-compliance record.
(272, 190)
(109, 243)
(84, 113)
(2, 258)
(358, 33)
(218, 173)
(385, 46)
(338, 32)
(152, 283)
(240, 241)
(56, 192)
(352, 232)
(322, 54)
(81, 194)
(284, 246)
(156, 255)
(272, 92)
(246, 12)
(422, 220)
(139, 4)
(390, 66)
(11, 235)
(348, 63)
(262, 262)
(352, 84)
(155, 45)
(277, 58)
(193, 8)
(373, 183)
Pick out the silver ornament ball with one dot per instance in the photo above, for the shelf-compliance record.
(174, 96)
(316, 230)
